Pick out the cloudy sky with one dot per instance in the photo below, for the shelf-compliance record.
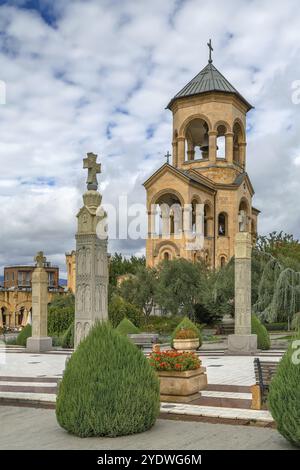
(96, 75)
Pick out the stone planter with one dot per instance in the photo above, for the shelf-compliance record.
(182, 387)
(186, 344)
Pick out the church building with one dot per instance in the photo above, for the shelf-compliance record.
(207, 175)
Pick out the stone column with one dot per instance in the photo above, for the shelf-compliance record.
(181, 151)
(175, 153)
(91, 299)
(212, 149)
(242, 342)
(39, 341)
(242, 152)
(229, 147)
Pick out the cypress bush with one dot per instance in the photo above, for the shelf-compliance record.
(284, 394)
(263, 338)
(59, 319)
(126, 327)
(108, 387)
(67, 339)
(187, 324)
(25, 333)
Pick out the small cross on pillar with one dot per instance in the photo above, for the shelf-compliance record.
(40, 259)
(94, 169)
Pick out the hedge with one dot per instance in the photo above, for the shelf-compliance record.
(119, 308)
(126, 327)
(263, 338)
(186, 323)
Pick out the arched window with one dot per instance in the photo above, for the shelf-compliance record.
(243, 216)
(222, 261)
(237, 141)
(222, 224)
(196, 140)
(166, 256)
(207, 220)
(221, 131)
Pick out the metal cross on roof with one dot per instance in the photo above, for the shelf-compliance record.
(40, 259)
(94, 169)
(168, 155)
(210, 51)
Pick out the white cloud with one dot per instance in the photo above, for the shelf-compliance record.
(96, 76)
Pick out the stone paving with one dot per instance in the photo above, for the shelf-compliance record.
(38, 429)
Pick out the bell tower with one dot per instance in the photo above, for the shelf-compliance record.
(209, 122)
(207, 177)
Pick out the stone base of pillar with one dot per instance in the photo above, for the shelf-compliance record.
(242, 345)
(39, 344)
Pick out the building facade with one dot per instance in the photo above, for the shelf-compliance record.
(207, 180)
(16, 296)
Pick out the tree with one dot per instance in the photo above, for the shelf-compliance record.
(282, 246)
(120, 265)
(179, 286)
(140, 290)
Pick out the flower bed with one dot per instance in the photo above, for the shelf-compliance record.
(173, 360)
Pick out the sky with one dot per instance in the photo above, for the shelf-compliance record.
(96, 76)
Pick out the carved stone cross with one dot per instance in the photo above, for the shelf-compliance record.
(94, 168)
(40, 259)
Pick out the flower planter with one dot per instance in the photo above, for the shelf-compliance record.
(190, 344)
(182, 387)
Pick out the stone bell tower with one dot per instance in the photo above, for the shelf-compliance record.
(208, 168)
(91, 296)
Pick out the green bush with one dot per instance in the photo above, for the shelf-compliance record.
(263, 338)
(162, 325)
(67, 339)
(284, 396)
(23, 335)
(296, 321)
(126, 327)
(283, 326)
(59, 319)
(108, 387)
(119, 308)
(186, 323)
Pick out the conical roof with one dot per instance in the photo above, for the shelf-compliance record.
(208, 80)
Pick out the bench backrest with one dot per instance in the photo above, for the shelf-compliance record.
(264, 371)
(143, 338)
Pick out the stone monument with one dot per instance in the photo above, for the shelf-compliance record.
(91, 296)
(39, 341)
(242, 341)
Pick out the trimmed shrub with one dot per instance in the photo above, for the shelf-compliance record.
(186, 333)
(263, 338)
(119, 308)
(59, 319)
(126, 327)
(23, 335)
(108, 387)
(284, 395)
(67, 339)
(296, 321)
(186, 324)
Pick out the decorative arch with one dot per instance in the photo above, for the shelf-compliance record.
(222, 123)
(165, 191)
(222, 260)
(166, 246)
(242, 127)
(186, 122)
(222, 224)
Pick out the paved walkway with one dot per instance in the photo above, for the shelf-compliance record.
(30, 428)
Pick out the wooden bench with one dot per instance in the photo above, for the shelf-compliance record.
(224, 329)
(143, 340)
(264, 372)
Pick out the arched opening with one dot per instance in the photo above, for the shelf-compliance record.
(222, 224)
(243, 216)
(222, 261)
(237, 143)
(166, 256)
(196, 140)
(221, 131)
(168, 209)
(4, 316)
(20, 316)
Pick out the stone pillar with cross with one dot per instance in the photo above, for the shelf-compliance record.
(39, 341)
(91, 295)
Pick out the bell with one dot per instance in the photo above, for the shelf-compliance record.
(204, 147)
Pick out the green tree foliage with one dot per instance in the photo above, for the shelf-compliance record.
(119, 265)
(296, 321)
(119, 308)
(61, 313)
(263, 338)
(283, 247)
(284, 395)
(108, 387)
(25, 333)
(141, 289)
(67, 338)
(126, 327)
(187, 324)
